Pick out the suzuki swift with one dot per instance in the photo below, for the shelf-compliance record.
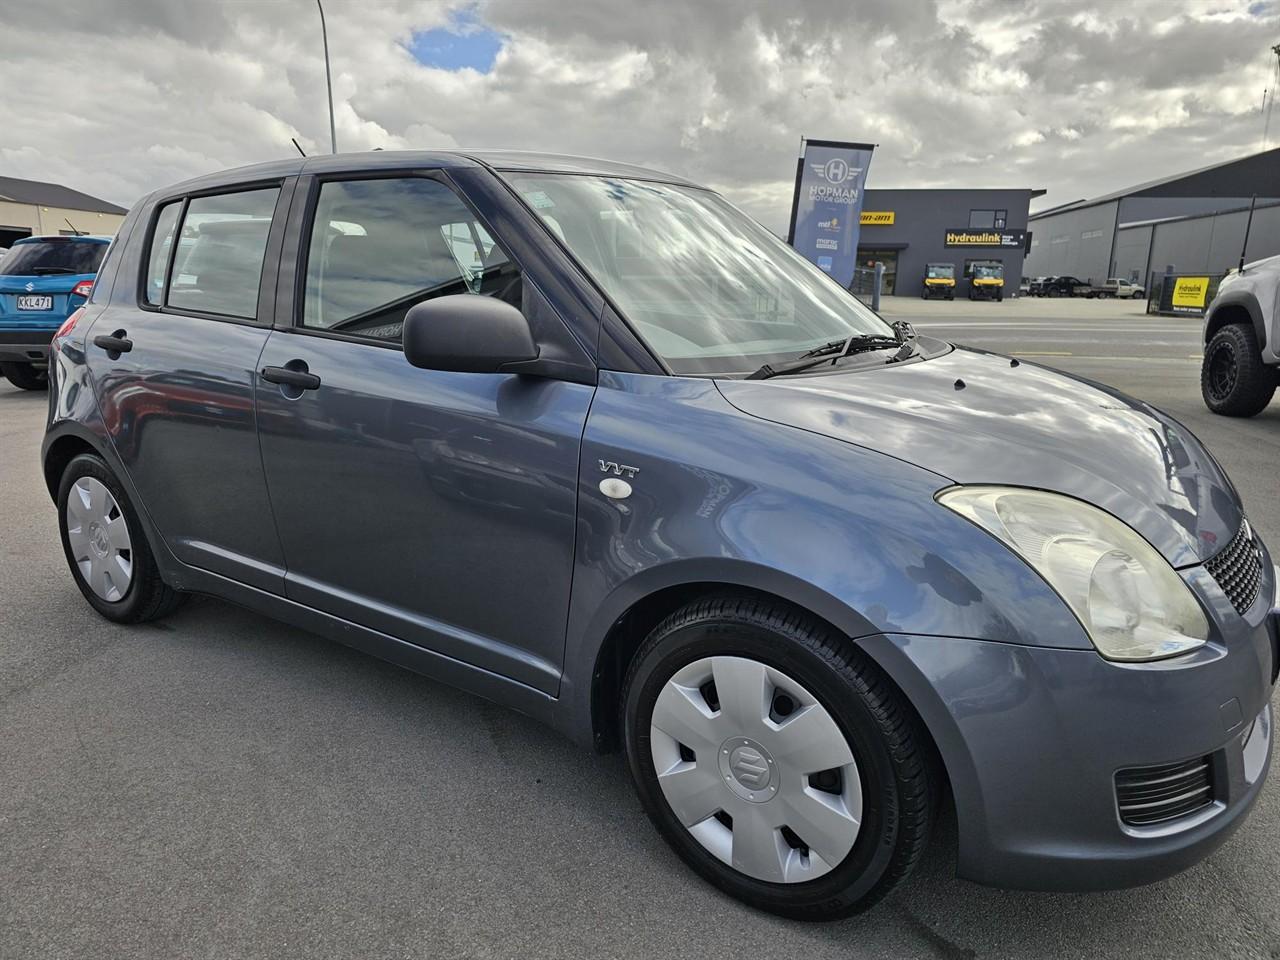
(585, 440)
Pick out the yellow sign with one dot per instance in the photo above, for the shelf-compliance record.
(877, 218)
(1190, 292)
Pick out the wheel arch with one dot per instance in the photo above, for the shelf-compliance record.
(627, 630)
(1235, 307)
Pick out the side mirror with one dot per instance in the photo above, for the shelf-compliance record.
(467, 333)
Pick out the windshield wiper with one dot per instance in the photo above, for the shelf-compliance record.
(832, 352)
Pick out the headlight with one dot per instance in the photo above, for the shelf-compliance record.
(1129, 600)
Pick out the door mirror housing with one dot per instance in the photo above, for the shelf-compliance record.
(467, 333)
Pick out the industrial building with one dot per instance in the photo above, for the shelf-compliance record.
(30, 207)
(910, 228)
(1193, 222)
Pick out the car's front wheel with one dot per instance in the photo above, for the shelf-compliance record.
(105, 546)
(26, 376)
(1233, 379)
(776, 758)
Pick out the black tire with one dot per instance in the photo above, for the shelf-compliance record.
(148, 597)
(26, 376)
(1233, 379)
(999, 296)
(893, 752)
(1053, 293)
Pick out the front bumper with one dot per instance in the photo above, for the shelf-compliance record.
(25, 346)
(1032, 737)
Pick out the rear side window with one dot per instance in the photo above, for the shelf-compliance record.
(161, 244)
(221, 246)
(47, 258)
(378, 247)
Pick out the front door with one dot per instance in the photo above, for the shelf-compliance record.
(177, 400)
(436, 507)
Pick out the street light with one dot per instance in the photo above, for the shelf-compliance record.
(328, 79)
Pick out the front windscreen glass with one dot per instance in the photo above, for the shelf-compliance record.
(987, 271)
(709, 289)
(941, 271)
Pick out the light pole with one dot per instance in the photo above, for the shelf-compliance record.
(328, 79)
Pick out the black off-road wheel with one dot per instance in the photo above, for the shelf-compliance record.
(26, 376)
(777, 759)
(1233, 379)
(106, 547)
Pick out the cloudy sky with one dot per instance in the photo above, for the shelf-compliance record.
(116, 97)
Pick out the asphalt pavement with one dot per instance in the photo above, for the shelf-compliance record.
(220, 785)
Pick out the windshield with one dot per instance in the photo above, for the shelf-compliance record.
(710, 290)
(941, 271)
(48, 257)
(984, 270)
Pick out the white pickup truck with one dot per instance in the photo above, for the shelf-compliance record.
(1117, 287)
(1241, 367)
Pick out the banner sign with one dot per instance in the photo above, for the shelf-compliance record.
(876, 218)
(827, 206)
(982, 237)
(1189, 294)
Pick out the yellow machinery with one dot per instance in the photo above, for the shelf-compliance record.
(939, 281)
(986, 280)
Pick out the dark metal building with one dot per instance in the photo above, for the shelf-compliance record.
(1192, 221)
(908, 229)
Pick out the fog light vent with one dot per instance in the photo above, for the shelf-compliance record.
(1148, 795)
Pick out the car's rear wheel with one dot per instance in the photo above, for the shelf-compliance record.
(1233, 379)
(105, 547)
(26, 376)
(776, 758)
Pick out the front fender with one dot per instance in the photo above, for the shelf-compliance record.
(719, 496)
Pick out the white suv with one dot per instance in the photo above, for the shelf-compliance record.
(1241, 366)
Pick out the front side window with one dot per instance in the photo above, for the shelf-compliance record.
(378, 247)
(221, 247)
(708, 289)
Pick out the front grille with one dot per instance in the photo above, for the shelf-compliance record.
(1238, 568)
(1150, 795)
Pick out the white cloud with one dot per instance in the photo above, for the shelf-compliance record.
(1077, 97)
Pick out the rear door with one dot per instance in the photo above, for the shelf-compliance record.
(437, 507)
(195, 313)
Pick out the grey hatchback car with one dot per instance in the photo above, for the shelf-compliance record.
(583, 439)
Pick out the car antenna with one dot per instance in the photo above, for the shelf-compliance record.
(78, 233)
(299, 146)
(1247, 225)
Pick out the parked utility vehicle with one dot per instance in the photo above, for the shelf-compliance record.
(939, 282)
(1241, 367)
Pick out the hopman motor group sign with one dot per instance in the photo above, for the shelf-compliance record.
(826, 210)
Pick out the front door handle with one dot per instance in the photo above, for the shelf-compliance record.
(289, 377)
(115, 344)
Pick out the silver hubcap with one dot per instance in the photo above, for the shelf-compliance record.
(99, 538)
(756, 769)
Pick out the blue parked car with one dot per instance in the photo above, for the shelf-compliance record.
(43, 280)
(585, 440)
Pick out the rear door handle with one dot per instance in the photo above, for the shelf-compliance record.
(291, 378)
(115, 344)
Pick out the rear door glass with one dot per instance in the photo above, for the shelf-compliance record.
(221, 247)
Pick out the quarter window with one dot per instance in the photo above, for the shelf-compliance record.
(221, 248)
(380, 246)
(158, 258)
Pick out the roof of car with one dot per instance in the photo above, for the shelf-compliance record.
(505, 160)
(62, 237)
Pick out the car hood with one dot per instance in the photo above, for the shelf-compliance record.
(974, 417)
